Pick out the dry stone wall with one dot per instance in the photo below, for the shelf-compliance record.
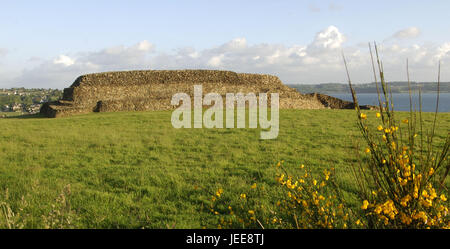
(335, 103)
(153, 90)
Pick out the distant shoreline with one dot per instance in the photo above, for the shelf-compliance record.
(396, 87)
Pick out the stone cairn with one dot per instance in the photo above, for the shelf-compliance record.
(153, 90)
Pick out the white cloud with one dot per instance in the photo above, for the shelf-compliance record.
(216, 61)
(317, 62)
(411, 32)
(330, 38)
(236, 44)
(64, 60)
(63, 70)
(144, 46)
(119, 57)
(443, 51)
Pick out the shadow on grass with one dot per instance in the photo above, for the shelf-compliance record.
(26, 116)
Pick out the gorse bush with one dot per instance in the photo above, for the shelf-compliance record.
(313, 201)
(401, 184)
(306, 201)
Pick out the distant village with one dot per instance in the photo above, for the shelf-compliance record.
(24, 100)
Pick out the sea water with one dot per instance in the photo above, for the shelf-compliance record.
(401, 100)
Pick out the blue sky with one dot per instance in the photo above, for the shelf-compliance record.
(49, 43)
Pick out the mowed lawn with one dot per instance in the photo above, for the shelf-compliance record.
(133, 170)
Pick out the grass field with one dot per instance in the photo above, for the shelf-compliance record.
(133, 170)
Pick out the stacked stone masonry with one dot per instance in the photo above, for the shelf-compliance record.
(153, 90)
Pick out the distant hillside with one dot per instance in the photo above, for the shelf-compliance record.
(397, 87)
(26, 100)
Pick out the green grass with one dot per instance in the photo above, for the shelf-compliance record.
(132, 170)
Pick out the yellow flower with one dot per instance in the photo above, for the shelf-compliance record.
(433, 193)
(327, 174)
(394, 145)
(416, 192)
(405, 200)
(443, 198)
(378, 114)
(421, 215)
(280, 179)
(219, 192)
(253, 186)
(367, 150)
(251, 212)
(302, 166)
(304, 203)
(243, 196)
(358, 222)
(405, 219)
(378, 210)
(380, 128)
(363, 116)
(402, 182)
(405, 121)
(427, 202)
(315, 182)
(365, 205)
(431, 171)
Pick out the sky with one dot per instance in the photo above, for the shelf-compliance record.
(47, 44)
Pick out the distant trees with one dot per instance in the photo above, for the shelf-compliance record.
(27, 99)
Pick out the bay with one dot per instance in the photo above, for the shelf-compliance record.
(401, 100)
